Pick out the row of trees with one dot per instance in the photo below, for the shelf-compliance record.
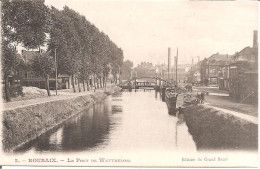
(81, 49)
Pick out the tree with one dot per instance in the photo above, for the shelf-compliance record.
(191, 78)
(25, 22)
(126, 69)
(44, 66)
(10, 63)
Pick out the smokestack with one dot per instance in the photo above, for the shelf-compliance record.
(169, 62)
(255, 43)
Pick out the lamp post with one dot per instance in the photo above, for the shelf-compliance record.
(56, 72)
(119, 74)
(56, 65)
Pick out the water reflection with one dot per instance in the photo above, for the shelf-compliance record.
(116, 109)
(127, 121)
(80, 133)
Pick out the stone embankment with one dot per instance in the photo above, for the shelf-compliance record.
(23, 124)
(214, 129)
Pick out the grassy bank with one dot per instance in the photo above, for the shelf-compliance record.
(26, 123)
(213, 129)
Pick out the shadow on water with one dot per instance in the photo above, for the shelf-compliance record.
(125, 120)
(213, 131)
(116, 109)
(80, 133)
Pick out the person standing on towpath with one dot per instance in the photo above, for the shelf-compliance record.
(202, 96)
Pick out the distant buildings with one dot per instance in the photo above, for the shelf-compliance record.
(29, 78)
(236, 73)
(145, 69)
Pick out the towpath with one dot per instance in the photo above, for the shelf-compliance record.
(243, 116)
(62, 94)
(221, 99)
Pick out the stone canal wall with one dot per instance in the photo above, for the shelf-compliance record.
(213, 129)
(24, 124)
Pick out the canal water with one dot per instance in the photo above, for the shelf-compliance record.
(138, 121)
(129, 121)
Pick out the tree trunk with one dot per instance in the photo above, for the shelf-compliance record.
(104, 81)
(88, 85)
(73, 83)
(84, 85)
(69, 83)
(97, 84)
(7, 96)
(79, 85)
(100, 82)
(48, 86)
(94, 81)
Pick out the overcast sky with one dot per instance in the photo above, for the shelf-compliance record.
(145, 29)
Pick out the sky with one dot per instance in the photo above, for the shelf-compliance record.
(145, 29)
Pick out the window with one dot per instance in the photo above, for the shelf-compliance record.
(212, 71)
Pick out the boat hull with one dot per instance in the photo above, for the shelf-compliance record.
(171, 103)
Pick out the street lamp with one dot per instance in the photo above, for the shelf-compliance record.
(56, 72)
(119, 74)
(56, 65)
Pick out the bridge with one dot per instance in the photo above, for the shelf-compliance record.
(145, 83)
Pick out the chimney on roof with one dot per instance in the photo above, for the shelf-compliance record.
(255, 43)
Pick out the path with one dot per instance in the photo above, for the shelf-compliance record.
(220, 99)
(63, 94)
(243, 116)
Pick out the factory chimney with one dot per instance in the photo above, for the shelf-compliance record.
(255, 43)
(169, 62)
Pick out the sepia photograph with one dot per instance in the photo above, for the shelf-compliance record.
(128, 83)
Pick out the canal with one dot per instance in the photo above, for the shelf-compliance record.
(129, 121)
(136, 121)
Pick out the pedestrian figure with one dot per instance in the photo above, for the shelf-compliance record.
(202, 96)
(197, 99)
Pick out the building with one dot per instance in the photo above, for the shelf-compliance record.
(243, 74)
(29, 77)
(224, 74)
(210, 68)
(193, 74)
(145, 69)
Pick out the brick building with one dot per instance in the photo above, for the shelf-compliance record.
(243, 74)
(210, 69)
(224, 74)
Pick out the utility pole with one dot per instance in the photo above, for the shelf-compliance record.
(56, 73)
(176, 67)
(119, 75)
(169, 62)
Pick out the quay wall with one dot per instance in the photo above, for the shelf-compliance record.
(22, 125)
(212, 129)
